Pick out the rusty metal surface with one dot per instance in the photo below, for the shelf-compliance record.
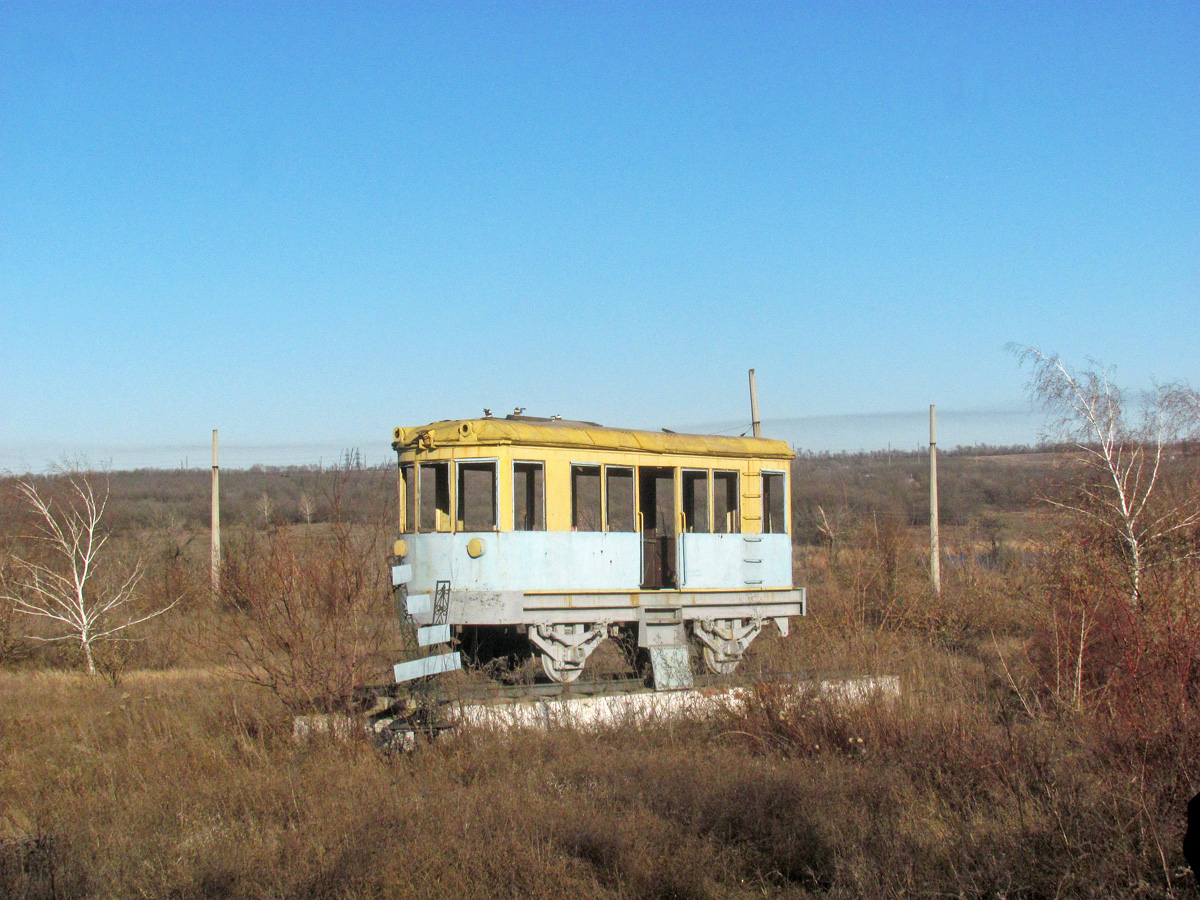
(557, 433)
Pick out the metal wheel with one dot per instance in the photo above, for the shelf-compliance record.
(719, 668)
(562, 675)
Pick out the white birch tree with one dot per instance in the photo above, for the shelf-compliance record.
(64, 583)
(1124, 449)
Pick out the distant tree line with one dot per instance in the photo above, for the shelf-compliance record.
(972, 483)
(255, 497)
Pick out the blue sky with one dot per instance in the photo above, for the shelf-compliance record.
(307, 223)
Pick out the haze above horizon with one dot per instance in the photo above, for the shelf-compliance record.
(305, 224)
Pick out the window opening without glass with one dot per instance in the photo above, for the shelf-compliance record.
(410, 499)
(434, 496)
(695, 501)
(529, 485)
(774, 503)
(585, 499)
(725, 502)
(620, 507)
(476, 496)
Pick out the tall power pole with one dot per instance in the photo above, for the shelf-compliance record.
(216, 520)
(935, 554)
(754, 421)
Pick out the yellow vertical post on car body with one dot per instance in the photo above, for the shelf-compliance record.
(752, 511)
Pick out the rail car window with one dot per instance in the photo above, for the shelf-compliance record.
(410, 498)
(774, 503)
(621, 510)
(434, 496)
(476, 496)
(529, 485)
(725, 503)
(585, 499)
(695, 501)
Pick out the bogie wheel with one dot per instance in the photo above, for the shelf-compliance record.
(561, 675)
(726, 667)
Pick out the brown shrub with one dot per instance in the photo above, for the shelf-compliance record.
(306, 611)
(1094, 647)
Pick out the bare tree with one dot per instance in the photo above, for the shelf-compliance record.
(307, 507)
(266, 509)
(1182, 403)
(1124, 449)
(64, 582)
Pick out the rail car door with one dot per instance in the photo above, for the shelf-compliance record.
(657, 517)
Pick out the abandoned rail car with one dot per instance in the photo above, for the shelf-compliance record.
(567, 531)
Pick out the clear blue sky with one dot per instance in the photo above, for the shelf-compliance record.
(307, 223)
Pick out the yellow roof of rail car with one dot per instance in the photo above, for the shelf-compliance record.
(558, 433)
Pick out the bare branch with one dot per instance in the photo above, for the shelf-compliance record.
(63, 583)
(1088, 410)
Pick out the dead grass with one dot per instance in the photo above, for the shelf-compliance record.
(184, 785)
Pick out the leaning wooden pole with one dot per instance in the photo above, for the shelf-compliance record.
(935, 552)
(216, 520)
(754, 421)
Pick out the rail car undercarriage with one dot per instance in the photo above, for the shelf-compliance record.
(565, 629)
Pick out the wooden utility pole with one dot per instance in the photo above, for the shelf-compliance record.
(216, 520)
(755, 423)
(935, 553)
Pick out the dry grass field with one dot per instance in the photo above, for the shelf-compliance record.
(184, 784)
(1014, 764)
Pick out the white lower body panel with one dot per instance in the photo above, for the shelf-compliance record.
(517, 608)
